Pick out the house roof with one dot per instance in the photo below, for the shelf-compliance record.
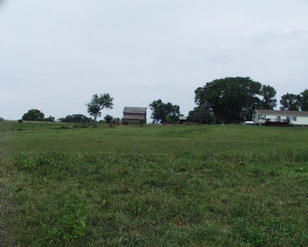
(289, 113)
(135, 110)
(182, 118)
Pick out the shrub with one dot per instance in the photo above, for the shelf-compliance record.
(117, 121)
(75, 118)
(142, 122)
(49, 119)
(108, 119)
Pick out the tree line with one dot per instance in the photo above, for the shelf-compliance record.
(227, 100)
(234, 99)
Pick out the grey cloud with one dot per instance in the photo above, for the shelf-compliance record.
(55, 54)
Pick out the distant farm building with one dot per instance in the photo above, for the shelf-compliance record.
(272, 117)
(182, 119)
(133, 115)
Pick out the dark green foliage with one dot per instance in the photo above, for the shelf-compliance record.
(98, 103)
(75, 118)
(201, 116)
(172, 119)
(49, 119)
(304, 100)
(290, 102)
(269, 101)
(1, 118)
(108, 119)
(234, 99)
(33, 115)
(294, 102)
(164, 112)
(116, 121)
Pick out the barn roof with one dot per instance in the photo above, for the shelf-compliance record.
(289, 113)
(136, 110)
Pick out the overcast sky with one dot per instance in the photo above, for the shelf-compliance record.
(55, 54)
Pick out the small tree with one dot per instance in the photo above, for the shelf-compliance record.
(33, 115)
(164, 112)
(75, 118)
(108, 118)
(98, 103)
(142, 122)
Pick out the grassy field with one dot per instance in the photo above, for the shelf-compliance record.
(230, 185)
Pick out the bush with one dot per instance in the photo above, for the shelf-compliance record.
(116, 121)
(49, 119)
(75, 118)
(1, 118)
(108, 119)
(142, 122)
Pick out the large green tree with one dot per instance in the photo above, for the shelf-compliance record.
(304, 100)
(234, 99)
(164, 112)
(98, 103)
(290, 102)
(33, 115)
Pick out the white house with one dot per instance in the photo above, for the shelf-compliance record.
(273, 116)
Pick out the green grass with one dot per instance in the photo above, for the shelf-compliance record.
(8, 125)
(153, 186)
